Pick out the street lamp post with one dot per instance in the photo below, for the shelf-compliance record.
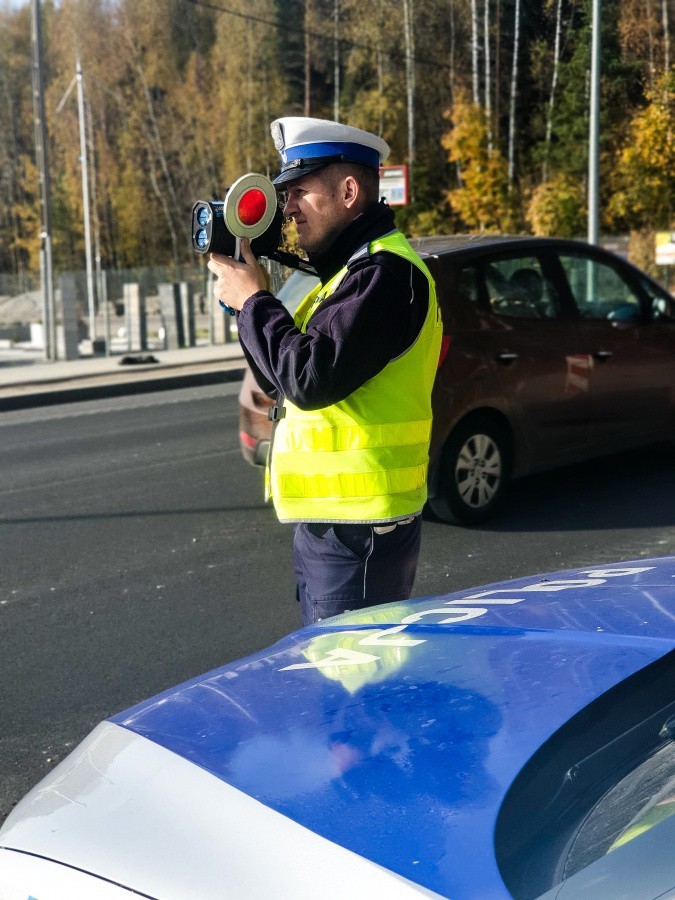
(42, 161)
(85, 202)
(78, 79)
(594, 130)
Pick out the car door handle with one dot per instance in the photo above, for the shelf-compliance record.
(506, 357)
(602, 355)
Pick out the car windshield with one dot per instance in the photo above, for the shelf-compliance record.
(661, 304)
(638, 802)
(594, 794)
(298, 285)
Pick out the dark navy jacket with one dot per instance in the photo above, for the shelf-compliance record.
(373, 316)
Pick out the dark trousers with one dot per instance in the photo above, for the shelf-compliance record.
(344, 567)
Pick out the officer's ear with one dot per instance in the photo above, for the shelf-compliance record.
(351, 191)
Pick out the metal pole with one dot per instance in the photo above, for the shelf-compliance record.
(409, 32)
(44, 302)
(103, 294)
(336, 60)
(97, 227)
(208, 293)
(594, 130)
(42, 160)
(85, 202)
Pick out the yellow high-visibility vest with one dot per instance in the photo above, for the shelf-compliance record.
(365, 458)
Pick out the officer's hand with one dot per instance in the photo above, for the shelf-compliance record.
(237, 281)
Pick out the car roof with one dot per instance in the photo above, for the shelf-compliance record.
(454, 243)
(448, 244)
(396, 731)
(474, 245)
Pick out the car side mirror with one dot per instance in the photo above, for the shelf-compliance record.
(625, 315)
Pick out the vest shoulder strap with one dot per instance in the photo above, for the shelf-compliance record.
(356, 257)
(363, 252)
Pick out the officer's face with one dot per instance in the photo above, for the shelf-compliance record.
(322, 206)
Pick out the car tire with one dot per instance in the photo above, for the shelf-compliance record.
(475, 468)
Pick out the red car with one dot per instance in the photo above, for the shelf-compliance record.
(558, 352)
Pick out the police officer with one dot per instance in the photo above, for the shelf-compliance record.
(351, 373)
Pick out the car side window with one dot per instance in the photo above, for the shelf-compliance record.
(518, 288)
(599, 291)
(468, 284)
(661, 304)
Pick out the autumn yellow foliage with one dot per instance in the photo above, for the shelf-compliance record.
(482, 199)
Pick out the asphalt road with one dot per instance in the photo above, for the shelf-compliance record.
(136, 552)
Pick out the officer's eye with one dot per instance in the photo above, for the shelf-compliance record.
(282, 199)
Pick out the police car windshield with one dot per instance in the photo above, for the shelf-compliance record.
(298, 285)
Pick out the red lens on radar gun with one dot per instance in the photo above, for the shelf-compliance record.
(252, 207)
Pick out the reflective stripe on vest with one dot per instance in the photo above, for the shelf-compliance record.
(365, 458)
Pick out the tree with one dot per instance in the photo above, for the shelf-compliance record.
(557, 208)
(475, 51)
(514, 92)
(554, 82)
(644, 182)
(409, 33)
(25, 211)
(483, 199)
(179, 105)
(17, 191)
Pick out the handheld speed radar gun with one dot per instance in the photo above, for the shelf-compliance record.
(250, 210)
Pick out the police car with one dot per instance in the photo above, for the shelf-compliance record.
(515, 740)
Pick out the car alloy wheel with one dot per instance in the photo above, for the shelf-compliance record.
(478, 471)
(475, 469)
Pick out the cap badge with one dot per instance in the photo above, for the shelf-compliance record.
(277, 135)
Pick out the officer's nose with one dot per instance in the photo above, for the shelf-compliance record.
(289, 208)
(283, 200)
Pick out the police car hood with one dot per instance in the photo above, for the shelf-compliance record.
(381, 742)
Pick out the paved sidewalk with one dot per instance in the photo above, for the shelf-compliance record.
(27, 381)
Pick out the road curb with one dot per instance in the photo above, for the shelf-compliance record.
(27, 397)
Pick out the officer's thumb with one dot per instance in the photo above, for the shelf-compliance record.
(250, 260)
(247, 253)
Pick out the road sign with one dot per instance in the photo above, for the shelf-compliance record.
(394, 185)
(665, 248)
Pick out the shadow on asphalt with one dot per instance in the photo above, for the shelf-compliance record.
(628, 490)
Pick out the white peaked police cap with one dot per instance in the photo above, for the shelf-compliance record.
(306, 145)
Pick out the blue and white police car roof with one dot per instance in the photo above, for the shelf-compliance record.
(306, 145)
(366, 756)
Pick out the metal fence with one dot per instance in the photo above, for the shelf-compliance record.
(127, 303)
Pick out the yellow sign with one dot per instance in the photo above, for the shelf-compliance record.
(665, 248)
